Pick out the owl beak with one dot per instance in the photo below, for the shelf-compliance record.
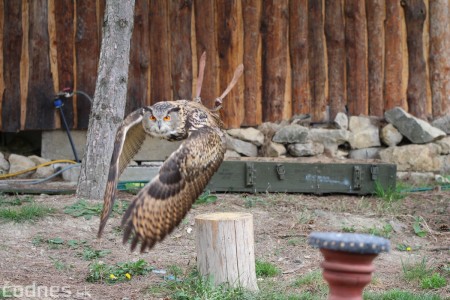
(159, 124)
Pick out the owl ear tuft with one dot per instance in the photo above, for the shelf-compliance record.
(174, 109)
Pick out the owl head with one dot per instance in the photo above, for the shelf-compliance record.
(165, 120)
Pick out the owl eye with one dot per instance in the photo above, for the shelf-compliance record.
(152, 118)
(167, 118)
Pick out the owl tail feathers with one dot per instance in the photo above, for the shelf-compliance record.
(108, 203)
(237, 73)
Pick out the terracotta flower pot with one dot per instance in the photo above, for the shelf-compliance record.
(347, 267)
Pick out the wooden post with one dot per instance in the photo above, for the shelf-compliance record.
(225, 248)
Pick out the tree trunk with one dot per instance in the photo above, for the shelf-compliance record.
(356, 45)
(298, 46)
(225, 248)
(109, 100)
(440, 56)
(335, 36)
(316, 58)
(376, 15)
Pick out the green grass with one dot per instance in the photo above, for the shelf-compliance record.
(312, 284)
(26, 212)
(424, 275)
(100, 272)
(400, 295)
(82, 208)
(390, 194)
(265, 269)
(434, 281)
(384, 231)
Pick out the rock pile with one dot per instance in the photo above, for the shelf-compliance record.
(15, 163)
(411, 143)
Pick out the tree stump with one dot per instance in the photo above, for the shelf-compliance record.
(225, 248)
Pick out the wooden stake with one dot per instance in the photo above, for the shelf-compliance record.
(225, 248)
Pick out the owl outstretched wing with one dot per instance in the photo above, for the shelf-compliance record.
(129, 139)
(160, 206)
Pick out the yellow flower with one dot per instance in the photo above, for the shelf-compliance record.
(128, 276)
(408, 248)
(112, 276)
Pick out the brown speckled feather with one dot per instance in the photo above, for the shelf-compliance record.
(161, 205)
(129, 139)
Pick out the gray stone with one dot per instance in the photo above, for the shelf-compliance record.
(329, 138)
(442, 123)
(365, 133)
(272, 149)
(231, 153)
(416, 130)
(365, 153)
(4, 164)
(291, 134)
(445, 145)
(20, 163)
(390, 135)
(308, 149)
(41, 172)
(445, 164)
(269, 128)
(245, 148)
(71, 174)
(414, 158)
(416, 177)
(249, 134)
(341, 120)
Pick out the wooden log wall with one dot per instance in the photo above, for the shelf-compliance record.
(315, 57)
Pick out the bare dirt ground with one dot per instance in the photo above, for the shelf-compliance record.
(282, 224)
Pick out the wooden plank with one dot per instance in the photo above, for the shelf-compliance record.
(317, 60)
(298, 46)
(51, 23)
(87, 49)
(2, 81)
(376, 16)
(440, 56)
(393, 80)
(275, 58)
(252, 13)
(40, 110)
(138, 71)
(24, 63)
(230, 47)
(415, 14)
(335, 38)
(206, 40)
(12, 44)
(180, 13)
(161, 81)
(356, 50)
(65, 43)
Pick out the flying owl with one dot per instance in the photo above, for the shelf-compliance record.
(161, 204)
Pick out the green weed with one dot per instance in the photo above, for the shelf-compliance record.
(265, 269)
(205, 198)
(60, 265)
(348, 228)
(91, 254)
(416, 271)
(385, 231)
(82, 208)
(100, 272)
(418, 227)
(28, 212)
